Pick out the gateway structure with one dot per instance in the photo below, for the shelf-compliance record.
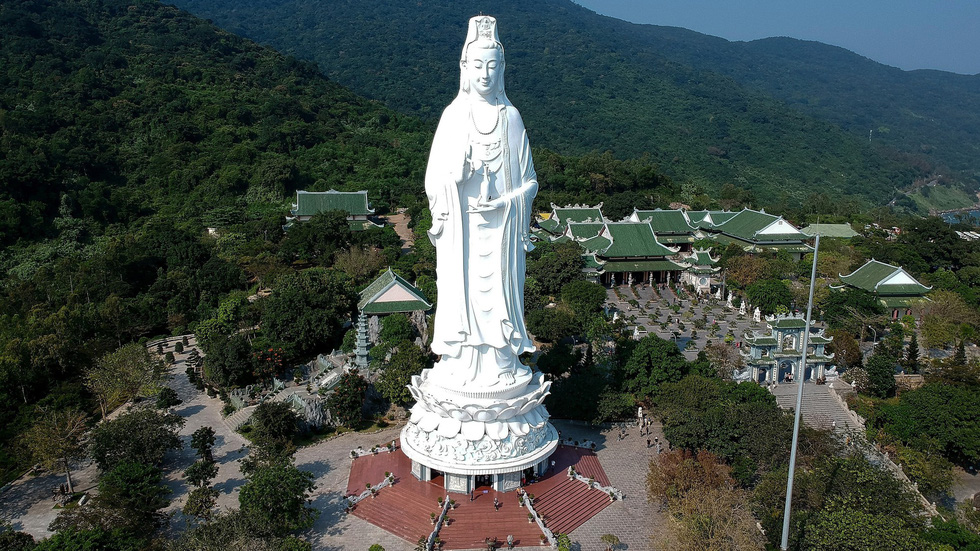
(479, 418)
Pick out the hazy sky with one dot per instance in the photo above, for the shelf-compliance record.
(909, 34)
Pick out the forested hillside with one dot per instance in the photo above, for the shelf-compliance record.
(125, 129)
(583, 83)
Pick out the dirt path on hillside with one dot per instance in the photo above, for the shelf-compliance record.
(400, 221)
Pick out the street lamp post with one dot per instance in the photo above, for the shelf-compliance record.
(874, 341)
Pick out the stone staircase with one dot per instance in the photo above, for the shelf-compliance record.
(240, 417)
(821, 410)
(568, 505)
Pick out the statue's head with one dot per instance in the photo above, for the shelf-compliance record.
(481, 64)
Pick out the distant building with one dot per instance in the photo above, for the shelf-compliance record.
(354, 203)
(388, 294)
(895, 289)
(754, 231)
(770, 356)
(839, 231)
(557, 221)
(671, 227)
(701, 270)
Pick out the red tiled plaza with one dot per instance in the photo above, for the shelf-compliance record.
(404, 508)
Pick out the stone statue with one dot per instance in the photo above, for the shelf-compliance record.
(480, 182)
(479, 411)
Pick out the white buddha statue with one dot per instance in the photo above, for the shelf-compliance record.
(480, 182)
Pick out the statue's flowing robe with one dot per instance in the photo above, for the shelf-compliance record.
(500, 235)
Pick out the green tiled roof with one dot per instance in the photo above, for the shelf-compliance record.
(701, 258)
(595, 244)
(308, 203)
(761, 341)
(577, 214)
(590, 262)
(873, 277)
(702, 218)
(369, 303)
(618, 266)
(584, 230)
(748, 223)
(843, 231)
(664, 221)
(788, 323)
(630, 239)
(672, 239)
(550, 225)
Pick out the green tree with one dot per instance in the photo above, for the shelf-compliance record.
(850, 309)
(393, 382)
(202, 441)
(911, 360)
(317, 239)
(55, 440)
(167, 398)
(97, 539)
(881, 374)
(201, 502)
(552, 324)
(274, 424)
(122, 375)
(347, 399)
(654, 361)
(583, 297)
(200, 473)
(275, 499)
(844, 530)
(138, 436)
(936, 419)
(135, 491)
(768, 295)
(11, 540)
(307, 310)
(554, 265)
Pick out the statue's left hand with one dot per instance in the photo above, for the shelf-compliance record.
(484, 206)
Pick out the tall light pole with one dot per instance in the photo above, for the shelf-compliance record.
(874, 341)
(784, 545)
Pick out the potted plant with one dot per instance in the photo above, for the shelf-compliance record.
(612, 496)
(520, 501)
(544, 539)
(530, 518)
(432, 518)
(452, 503)
(439, 500)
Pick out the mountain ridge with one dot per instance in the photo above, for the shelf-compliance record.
(612, 90)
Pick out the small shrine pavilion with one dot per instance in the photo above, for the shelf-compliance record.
(772, 356)
(895, 289)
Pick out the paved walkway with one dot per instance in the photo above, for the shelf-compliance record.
(28, 506)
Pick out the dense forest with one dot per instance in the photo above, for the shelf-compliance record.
(583, 84)
(147, 160)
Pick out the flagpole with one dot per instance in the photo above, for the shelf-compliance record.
(799, 402)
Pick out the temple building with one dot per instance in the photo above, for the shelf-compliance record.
(769, 357)
(755, 231)
(671, 227)
(701, 270)
(388, 294)
(629, 253)
(354, 203)
(837, 231)
(556, 222)
(895, 289)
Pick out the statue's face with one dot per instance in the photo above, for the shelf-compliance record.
(482, 67)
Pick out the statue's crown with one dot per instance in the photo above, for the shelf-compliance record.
(485, 27)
